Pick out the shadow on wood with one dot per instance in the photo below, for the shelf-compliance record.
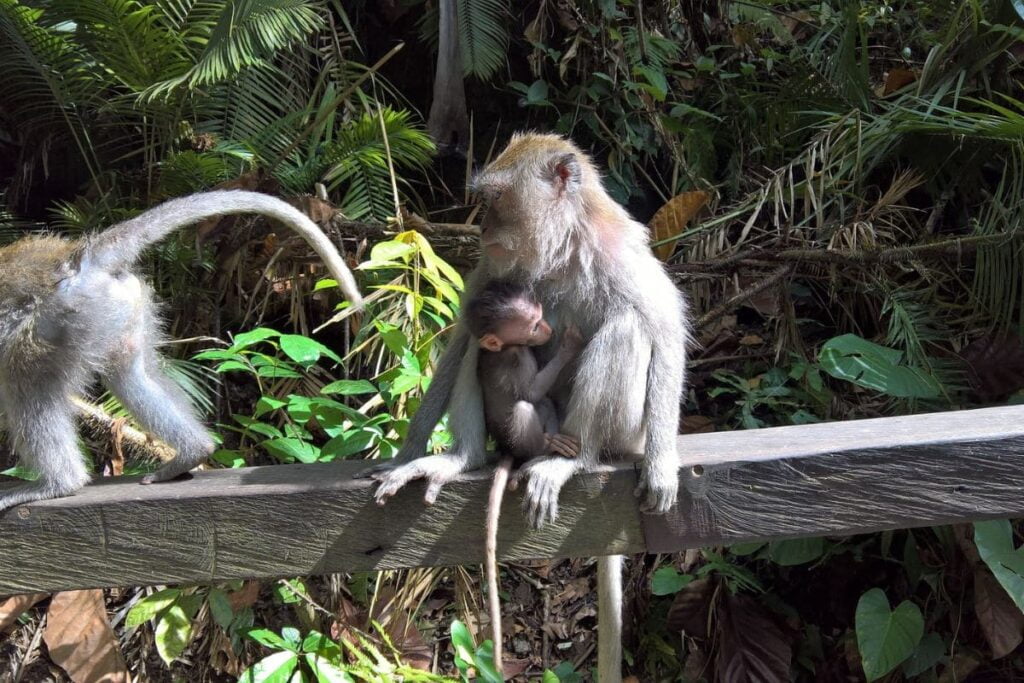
(294, 520)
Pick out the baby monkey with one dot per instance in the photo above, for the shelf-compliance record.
(507, 320)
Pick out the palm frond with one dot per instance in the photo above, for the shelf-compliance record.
(483, 32)
(359, 163)
(238, 35)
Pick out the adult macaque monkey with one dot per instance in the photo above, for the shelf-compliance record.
(73, 309)
(551, 224)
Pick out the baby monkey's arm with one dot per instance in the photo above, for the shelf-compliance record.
(571, 344)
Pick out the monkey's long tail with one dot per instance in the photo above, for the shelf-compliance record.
(123, 244)
(501, 473)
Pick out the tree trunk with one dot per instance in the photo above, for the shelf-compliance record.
(449, 122)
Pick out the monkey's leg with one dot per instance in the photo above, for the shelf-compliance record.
(468, 451)
(659, 478)
(162, 409)
(609, 618)
(42, 429)
(607, 405)
(431, 408)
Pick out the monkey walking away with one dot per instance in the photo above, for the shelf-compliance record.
(72, 309)
(507, 322)
(551, 225)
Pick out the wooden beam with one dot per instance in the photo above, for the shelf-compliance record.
(294, 520)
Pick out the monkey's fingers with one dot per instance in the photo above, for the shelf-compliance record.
(377, 471)
(565, 445)
(656, 499)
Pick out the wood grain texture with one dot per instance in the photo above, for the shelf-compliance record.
(295, 520)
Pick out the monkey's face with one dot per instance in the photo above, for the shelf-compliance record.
(531, 204)
(526, 328)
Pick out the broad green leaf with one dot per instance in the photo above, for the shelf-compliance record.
(744, 549)
(483, 660)
(538, 93)
(325, 671)
(995, 546)
(300, 349)
(265, 404)
(391, 250)
(292, 636)
(851, 358)
(277, 668)
(462, 641)
(349, 387)
(261, 428)
(268, 638)
(233, 366)
(796, 551)
(277, 372)
(668, 580)
(405, 382)
(392, 337)
(151, 605)
(173, 633)
(886, 638)
(220, 608)
(318, 643)
(287, 449)
(928, 653)
(549, 677)
(249, 338)
(349, 443)
(217, 354)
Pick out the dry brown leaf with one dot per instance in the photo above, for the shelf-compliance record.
(14, 607)
(80, 640)
(753, 647)
(898, 78)
(751, 340)
(670, 219)
(689, 610)
(245, 596)
(696, 424)
(630, 679)
(404, 634)
(959, 668)
(1000, 619)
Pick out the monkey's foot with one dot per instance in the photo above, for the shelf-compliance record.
(437, 470)
(172, 470)
(378, 470)
(658, 491)
(545, 478)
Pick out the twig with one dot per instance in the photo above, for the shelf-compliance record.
(737, 299)
(102, 422)
(951, 247)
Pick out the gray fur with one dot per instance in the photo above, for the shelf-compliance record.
(602, 278)
(71, 311)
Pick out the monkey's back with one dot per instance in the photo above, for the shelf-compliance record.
(29, 270)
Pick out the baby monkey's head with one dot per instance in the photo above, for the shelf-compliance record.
(506, 314)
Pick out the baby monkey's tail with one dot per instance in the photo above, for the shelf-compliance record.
(501, 473)
(121, 245)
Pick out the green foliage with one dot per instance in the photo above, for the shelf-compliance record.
(886, 638)
(851, 358)
(994, 541)
(468, 655)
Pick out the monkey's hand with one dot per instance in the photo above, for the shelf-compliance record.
(561, 444)
(545, 478)
(572, 341)
(658, 487)
(437, 470)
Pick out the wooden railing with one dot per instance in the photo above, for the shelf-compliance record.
(295, 520)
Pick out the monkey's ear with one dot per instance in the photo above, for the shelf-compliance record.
(566, 173)
(490, 342)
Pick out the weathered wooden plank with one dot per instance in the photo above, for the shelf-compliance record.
(837, 478)
(844, 478)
